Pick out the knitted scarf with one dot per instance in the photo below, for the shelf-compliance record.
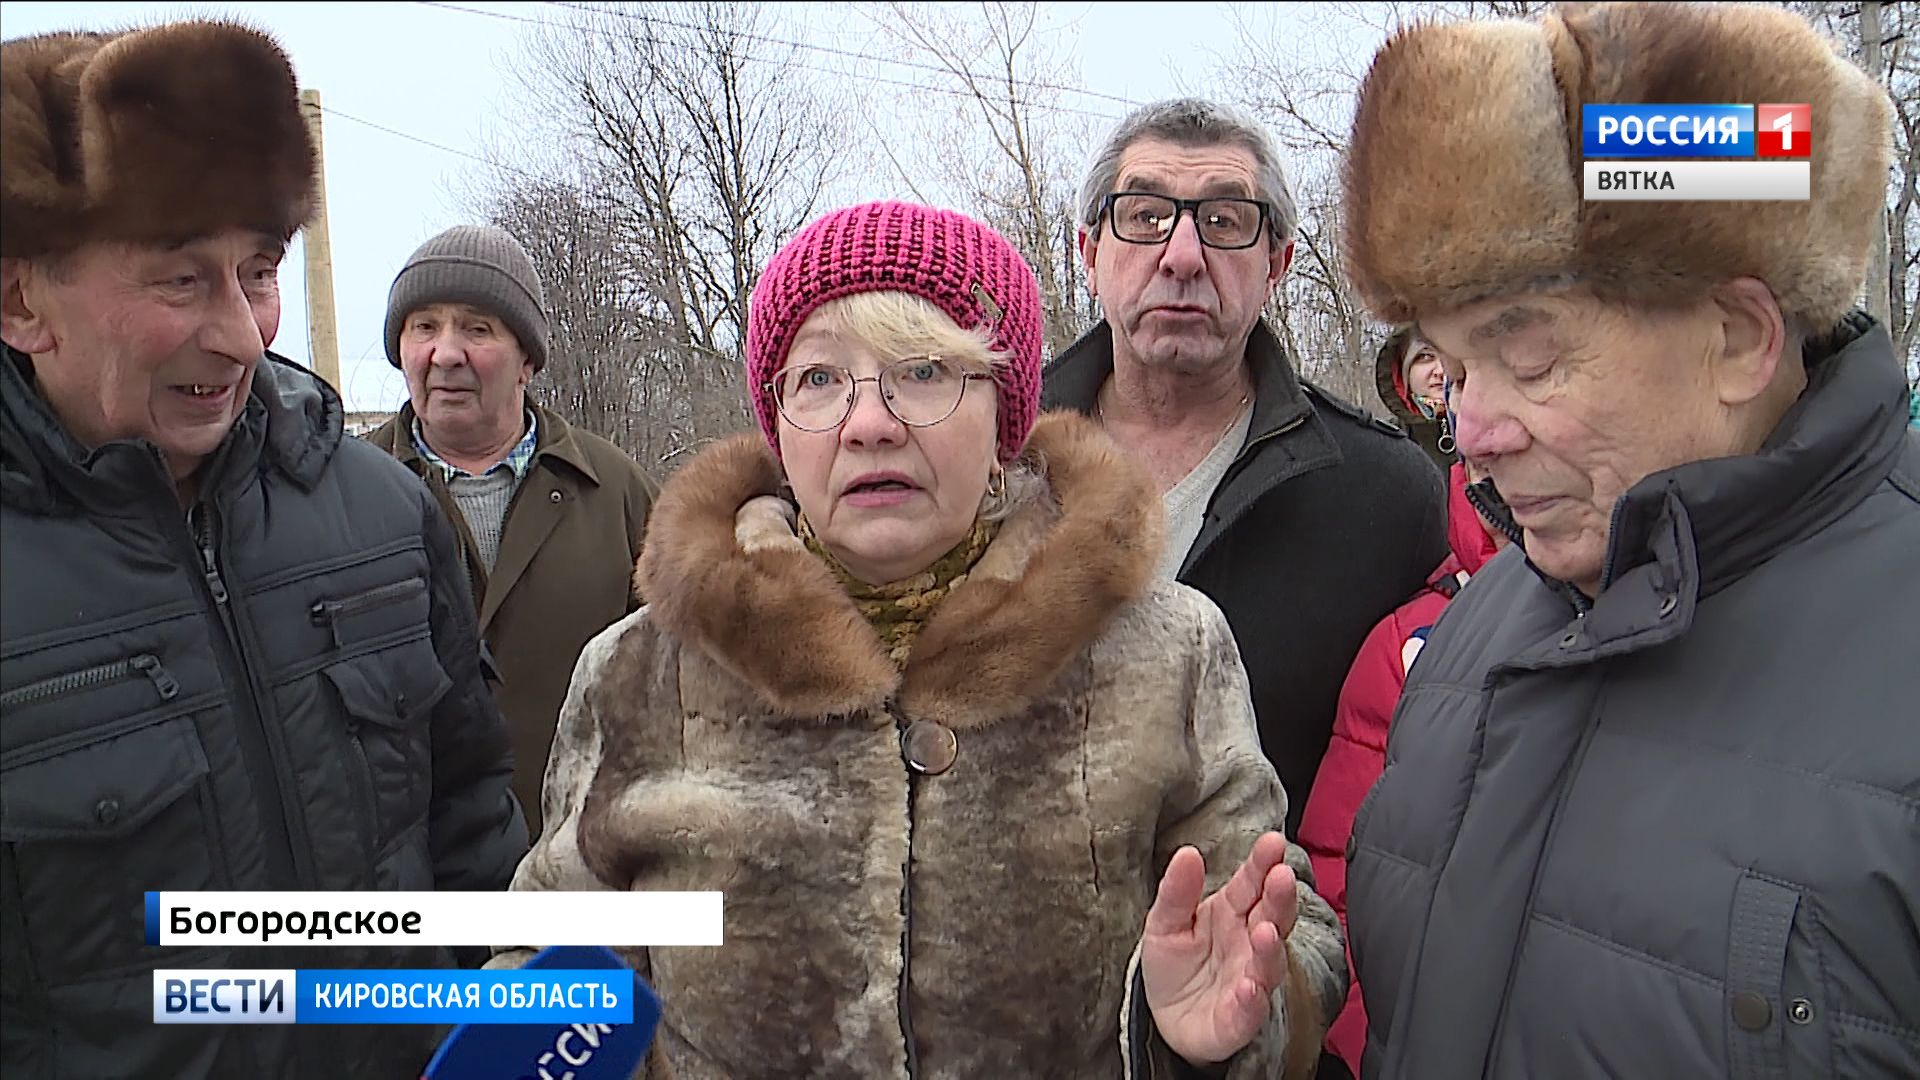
(899, 609)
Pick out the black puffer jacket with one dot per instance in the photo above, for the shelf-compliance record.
(1675, 833)
(280, 690)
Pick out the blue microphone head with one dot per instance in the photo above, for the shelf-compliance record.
(586, 1051)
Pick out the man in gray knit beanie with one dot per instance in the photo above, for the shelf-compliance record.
(476, 265)
(550, 516)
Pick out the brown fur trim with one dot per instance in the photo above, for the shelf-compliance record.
(999, 640)
(1497, 207)
(771, 614)
(149, 136)
(774, 617)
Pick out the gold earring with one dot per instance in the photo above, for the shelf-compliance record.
(997, 482)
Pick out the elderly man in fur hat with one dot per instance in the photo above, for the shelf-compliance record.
(1652, 801)
(238, 650)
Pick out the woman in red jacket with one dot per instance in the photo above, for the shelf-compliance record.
(1358, 749)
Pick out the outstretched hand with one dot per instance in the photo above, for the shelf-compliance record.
(1210, 966)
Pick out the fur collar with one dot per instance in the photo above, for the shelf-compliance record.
(723, 572)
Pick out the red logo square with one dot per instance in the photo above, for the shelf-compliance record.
(1783, 131)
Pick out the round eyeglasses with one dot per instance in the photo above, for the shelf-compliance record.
(919, 391)
(1141, 217)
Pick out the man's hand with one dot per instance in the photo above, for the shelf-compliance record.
(1210, 966)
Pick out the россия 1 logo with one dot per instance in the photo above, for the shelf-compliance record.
(1784, 130)
(1708, 152)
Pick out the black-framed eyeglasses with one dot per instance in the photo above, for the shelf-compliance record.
(919, 391)
(1142, 217)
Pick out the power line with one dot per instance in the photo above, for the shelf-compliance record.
(331, 111)
(937, 69)
(836, 72)
(591, 31)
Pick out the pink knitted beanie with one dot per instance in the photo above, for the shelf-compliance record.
(959, 265)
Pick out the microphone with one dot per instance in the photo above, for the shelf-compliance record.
(553, 1051)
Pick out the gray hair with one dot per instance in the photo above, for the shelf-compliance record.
(1195, 122)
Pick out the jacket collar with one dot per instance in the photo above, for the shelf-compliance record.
(1683, 534)
(1834, 446)
(724, 573)
(292, 421)
(557, 440)
(1284, 438)
(1074, 379)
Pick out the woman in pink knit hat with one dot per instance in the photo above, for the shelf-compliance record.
(985, 799)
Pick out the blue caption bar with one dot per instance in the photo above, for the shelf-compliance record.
(1666, 131)
(546, 996)
(537, 996)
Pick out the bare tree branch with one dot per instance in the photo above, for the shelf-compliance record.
(697, 155)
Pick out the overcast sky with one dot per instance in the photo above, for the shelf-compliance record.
(437, 74)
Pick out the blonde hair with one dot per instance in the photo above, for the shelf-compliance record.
(903, 324)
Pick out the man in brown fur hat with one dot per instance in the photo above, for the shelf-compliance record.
(238, 650)
(1649, 806)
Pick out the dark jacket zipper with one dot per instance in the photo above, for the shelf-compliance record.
(99, 675)
(1486, 500)
(282, 860)
(367, 601)
(329, 613)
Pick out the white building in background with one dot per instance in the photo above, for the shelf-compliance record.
(360, 423)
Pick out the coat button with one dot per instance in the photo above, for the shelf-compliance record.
(1571, 639)
(554, 495)
(1751, 1011)
(1800, 1011)
(929, 747)
(106, 811)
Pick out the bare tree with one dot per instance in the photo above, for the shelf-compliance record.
(703, 144)
(1024, 183)
(1299, 70)
(1884, 39)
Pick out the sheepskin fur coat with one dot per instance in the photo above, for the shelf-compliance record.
(742, 734)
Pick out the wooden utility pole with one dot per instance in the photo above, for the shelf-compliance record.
(1879, 274)
(323, 335)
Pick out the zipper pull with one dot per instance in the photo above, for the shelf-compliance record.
(149, 666)
(203, 533)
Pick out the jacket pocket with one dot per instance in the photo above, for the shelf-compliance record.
(350, 617)
(1872, 1048)
(144, 665)
(1776, 1019)
(387, 700)
(90, 829)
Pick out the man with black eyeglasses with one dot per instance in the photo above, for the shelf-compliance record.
(1304, 519)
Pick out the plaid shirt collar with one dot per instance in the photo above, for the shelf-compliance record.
(519, 459)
